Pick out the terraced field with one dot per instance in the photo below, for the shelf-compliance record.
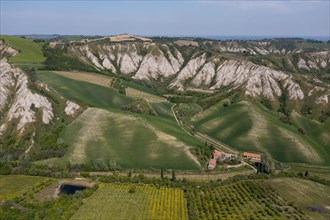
(87, 77)
(249, 128)
(129, 201)
(124, 140)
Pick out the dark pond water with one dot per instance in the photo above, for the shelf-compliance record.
(71, 189)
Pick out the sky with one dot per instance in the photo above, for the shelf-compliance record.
(167, 18)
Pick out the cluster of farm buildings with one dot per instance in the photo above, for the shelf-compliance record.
(219, 156)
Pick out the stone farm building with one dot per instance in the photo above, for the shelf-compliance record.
(212, 163)
(252, 156)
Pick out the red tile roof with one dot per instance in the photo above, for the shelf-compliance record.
(212, 163)
(217, 153)
(247, 154)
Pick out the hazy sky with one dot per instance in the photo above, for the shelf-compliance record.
(248, 18)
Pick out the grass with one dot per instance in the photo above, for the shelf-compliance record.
(30, 51)
(83, 92)
(114, 201)
(93, 78)
(15, 185)
(320, 171)
(305, 195)
(249, 127)
(134, 93)
(124, 140)
(145, 135)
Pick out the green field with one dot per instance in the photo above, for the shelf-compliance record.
(241, 200)
(131, 140)
(305, 195)
(114, 201)
(29, 51)
(83, 92)
(15, 185)
(248, 127)
(123, 140)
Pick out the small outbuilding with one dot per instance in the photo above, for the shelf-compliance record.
(212, 163)
(217, 154)
(252, 156)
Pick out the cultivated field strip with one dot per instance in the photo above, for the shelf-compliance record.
(114, 201)
(242, 200)
(87, 77)
(143, 95)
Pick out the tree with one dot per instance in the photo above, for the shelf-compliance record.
(306, 173)
(162, 173)
(5, 169)
(173, 175)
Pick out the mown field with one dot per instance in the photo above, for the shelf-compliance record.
(29, 51)
(125, 138)
(248, 127)
(115, 201)
(310, 197)
(93, 78)
(134, 93)
(242, 200)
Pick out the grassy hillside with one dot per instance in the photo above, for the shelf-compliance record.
(249, 127)
(114, 201)
(130, 140)
(14, 185)
(29, 51)
(314, 198)
(83, 92)
(124, 141)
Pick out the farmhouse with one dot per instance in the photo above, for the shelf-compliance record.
(217, 154)
(212, 163)
(252, 156)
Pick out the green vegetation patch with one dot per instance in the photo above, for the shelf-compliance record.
(108, 139)
(15, 185)
(83, 92)
(249, 127)
(312, 198)
(29, 51)
(133, 201)
(242, 200)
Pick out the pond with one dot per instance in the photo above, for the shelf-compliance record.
(71, 189)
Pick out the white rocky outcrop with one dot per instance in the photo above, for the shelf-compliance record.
(19, 99)
(155, 66)
(257, 80)
(315, 60)
(205, 75)
(151, 61)
(322, 99)
(86, 51)
(71, 108)
(7, 50)
(189, 71)
(315, 89)
(302, 64)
